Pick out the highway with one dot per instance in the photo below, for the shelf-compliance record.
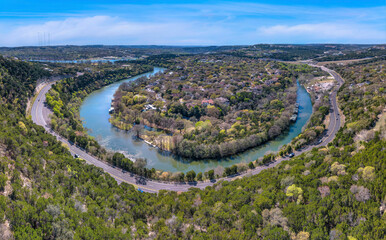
(40, 116)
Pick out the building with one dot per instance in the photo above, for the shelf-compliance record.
(207, 102)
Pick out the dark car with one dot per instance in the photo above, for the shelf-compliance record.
(291, 155)
(76, 156)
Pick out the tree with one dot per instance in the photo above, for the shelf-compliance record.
(274, 131)
(303, 236)
(234, 169)
(275, 233)
(140, 163)
(181, 177)
(3, 181)
(82, 141)
(361, 193)
(295, 193)
(199, 176)
(179, 125)
(190, 176)
(137, 130)
(324, 191)
(228, 171)
(296, 215)
(268, 158)
(251, 165)
(211, 174)
(117, 158)
(368, 173)
(337, 168)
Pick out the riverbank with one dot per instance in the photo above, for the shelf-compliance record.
(94, 112)
(220, 107)
(154, 186)
(167, 141)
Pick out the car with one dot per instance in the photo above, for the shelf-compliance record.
(140, 190)
(291, 155)
(76, 156)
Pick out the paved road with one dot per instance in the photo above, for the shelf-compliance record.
(40, 115)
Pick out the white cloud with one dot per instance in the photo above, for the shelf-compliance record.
(110, 30)
(227, 25)
(352, 33)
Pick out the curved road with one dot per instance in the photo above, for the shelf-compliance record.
(40, 115)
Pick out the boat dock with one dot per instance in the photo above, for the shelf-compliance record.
(295, 113)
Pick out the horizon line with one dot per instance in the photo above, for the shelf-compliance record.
(182, 46)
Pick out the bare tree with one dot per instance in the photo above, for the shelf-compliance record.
(361, 193)
(179, 125)
(137, 129)
(324, 191)
(140, 163)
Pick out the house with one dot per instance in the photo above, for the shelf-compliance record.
(207, 102)
(149, 107)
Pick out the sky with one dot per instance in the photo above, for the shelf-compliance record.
(190, 23)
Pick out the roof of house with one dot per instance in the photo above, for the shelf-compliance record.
(209, 101)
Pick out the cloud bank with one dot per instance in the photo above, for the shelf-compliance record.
(223, 24)
(110, 30)
(325, 32)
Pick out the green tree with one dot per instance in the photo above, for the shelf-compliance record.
(211, 174)
(3, 181)
(295, 193)
(191, 175)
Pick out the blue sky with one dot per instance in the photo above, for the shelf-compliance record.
(25, 22)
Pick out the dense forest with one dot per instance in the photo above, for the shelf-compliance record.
(285, 52)
(320, 52)
(375, 51)
(211, 106)
(336, 192)
(10, 86)
(73, 52)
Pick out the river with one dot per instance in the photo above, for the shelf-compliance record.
(94, 113)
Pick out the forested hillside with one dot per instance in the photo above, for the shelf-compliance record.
(362, 99)
(17, 82)
(330, 193)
